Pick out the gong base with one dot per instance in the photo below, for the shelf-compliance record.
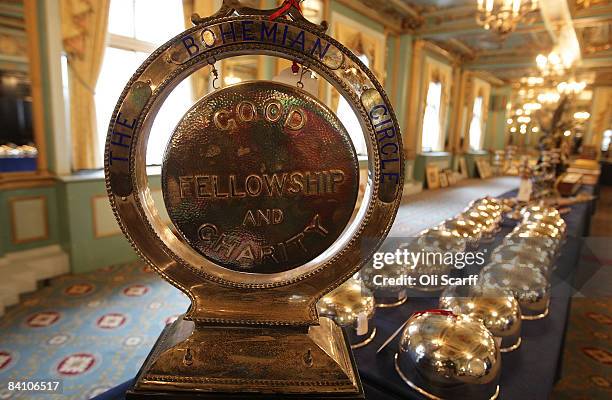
(141, 395)
(222, 362)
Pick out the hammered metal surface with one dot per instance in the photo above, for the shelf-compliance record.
(260, 177)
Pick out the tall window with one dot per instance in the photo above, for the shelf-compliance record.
(350, 121)
(313, 10)
(136, 28)
(432, 126)
(476, 125)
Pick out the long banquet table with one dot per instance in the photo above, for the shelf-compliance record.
(528, 373)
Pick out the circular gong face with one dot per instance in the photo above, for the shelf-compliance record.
(260, 177)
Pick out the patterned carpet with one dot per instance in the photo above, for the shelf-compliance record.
(90, 330)
(587, 361)
(429, 208)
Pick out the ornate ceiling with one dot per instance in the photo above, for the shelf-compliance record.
(11, 15)
(452, 25)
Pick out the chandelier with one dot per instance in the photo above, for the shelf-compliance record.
(582, 116)
(571, 87)
(503, 16)
(552, 64)
(558, 62)
(549, 97)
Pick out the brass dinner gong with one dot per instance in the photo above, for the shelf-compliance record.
(260, 181)
(260, 177)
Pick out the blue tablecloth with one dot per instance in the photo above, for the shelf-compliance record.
(17, 164)
(528, 373)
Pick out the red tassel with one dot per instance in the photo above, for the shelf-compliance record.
(285, 8)
(295, 68)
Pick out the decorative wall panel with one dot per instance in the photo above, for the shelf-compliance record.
(29, 219)
(104, 222)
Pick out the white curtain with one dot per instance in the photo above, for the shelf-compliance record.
(432, 121)
(476, 125)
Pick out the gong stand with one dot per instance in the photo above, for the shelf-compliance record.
(252, 330)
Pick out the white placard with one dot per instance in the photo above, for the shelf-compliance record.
(362, 324)
(525, 188)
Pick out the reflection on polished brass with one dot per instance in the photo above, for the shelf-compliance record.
(491, 212)
(557, 222)
(465, 228)
(491, 203)
(539, 209)
(544, 215)
(254, 328)
(351, 306)
(497, 309)
(431, 264)
(264, 358)
(442, 239)
(421, 390)
(523, 254)
(547, 236)
(538, 229)
(529, 286)
(448, 356)
(366, 341)
(376, 279)
(549, 214)
(526, 238)
(486, 223)
(391, 302)
(260, 177)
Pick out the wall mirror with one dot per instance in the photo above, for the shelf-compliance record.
(20, 142)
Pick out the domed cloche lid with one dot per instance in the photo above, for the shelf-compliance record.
(497, 309)
(523, 254)
(347, 303)
(445, 355)
(528, 285)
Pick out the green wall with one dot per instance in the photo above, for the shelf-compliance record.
(442, 160)
(70, 216)
(355, 16)
(400, 100)
(86, 252)
(496, 121)
(7, 244)
(470, 160)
